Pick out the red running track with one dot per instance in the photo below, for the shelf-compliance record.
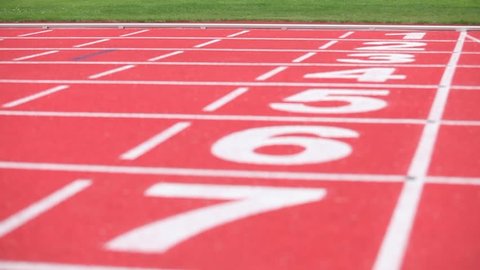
(239, 149)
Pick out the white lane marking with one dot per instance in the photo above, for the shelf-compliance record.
(270, 73)
(35, 33)
(238, 33)
(111, 71)
(154, 141)
(91, 43)
(34, 55)
(346, 34)
(207, 43)
(473, 38)
(36, 209)
(163, 56)
(397, 236)
(449, 180)
(216, 117)
(328, 45)
(217, 104)
(34, 96)
(23, 265)
(263, 175)
(135, 33)
(303, 57)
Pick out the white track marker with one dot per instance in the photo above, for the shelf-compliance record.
(303, 57)
(473, 38)
(154, 141)
(397, 236)
(225, 99)
(134, 33)
(91, 43)
(346, 35)
(270, 74)
(35, 33)
(328, 45)
(163, 56)
(34, 55)
(36, 209)
(34, 96)
(207, 43)
(238, 33)
(21, 265)
(448, 180)
(112, 71)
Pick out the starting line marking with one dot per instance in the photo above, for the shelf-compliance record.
(225, 99)
(328, 44)
(163, 56)
(207, 43)
(109, 72)
(303, 57)
(34, 210)
(34, 96)
(270, 73)
(34, 55)
(21, 265)
(91, 43)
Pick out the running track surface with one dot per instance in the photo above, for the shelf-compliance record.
(239, 149)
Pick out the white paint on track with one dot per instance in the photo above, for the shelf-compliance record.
(24, 265)
(34, 96)
(271, 73)
(111, 71)
(35, 33)
(34, 55)
(135, 33)
(217, 104)
(91, 43)
(201, 45)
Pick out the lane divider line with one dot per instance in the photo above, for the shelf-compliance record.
(34, 96)
(91, 43)
(135, 33)
(328, 44)
(109, 72)
(207, 43)
(270, 73)
(217, 104)
(238, 33)
(154, 141)
(36, 209)
(35, 33)
(163, 56)
(34, 55)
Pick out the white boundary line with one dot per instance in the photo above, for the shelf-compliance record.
(369, 27)
(217, 104)
(396, 239)
(449, 180)
(36, 209)
(34, 96)
(24, 265)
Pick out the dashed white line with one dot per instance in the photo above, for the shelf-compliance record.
(34, 96)
(34, 55)
(153, 142)
(36, 209)
(135, 33)
(163, 56)
(207, 43)
(328, 45)
(35, 33)
(304, 57)
(225, 99)
(91, 43)
(238, 33)
(270, 73)
(346, 35)
(109, 72)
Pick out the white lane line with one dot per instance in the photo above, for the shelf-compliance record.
(36, 209)
(163, 56)
(109, 72)
(207, 43)
(473, 38)
(263, 175)
(154, 141)
(270, 73)
(397, 236)
(304, 57)
(449, 180)
(135, 33)
(34, 55)
(225, 99)
(24, 265)
(91, 43)
(238, 33)
(346, 35)
(328, 45)
(35, 33)
(216, 117)
(34, 96)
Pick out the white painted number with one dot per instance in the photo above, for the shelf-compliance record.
(357, 101)
(361, 75)
(243, 202)
(416, 35)
(379, 58)
(393, 46)
(245, 146)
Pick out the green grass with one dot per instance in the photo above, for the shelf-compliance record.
(368, 11)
